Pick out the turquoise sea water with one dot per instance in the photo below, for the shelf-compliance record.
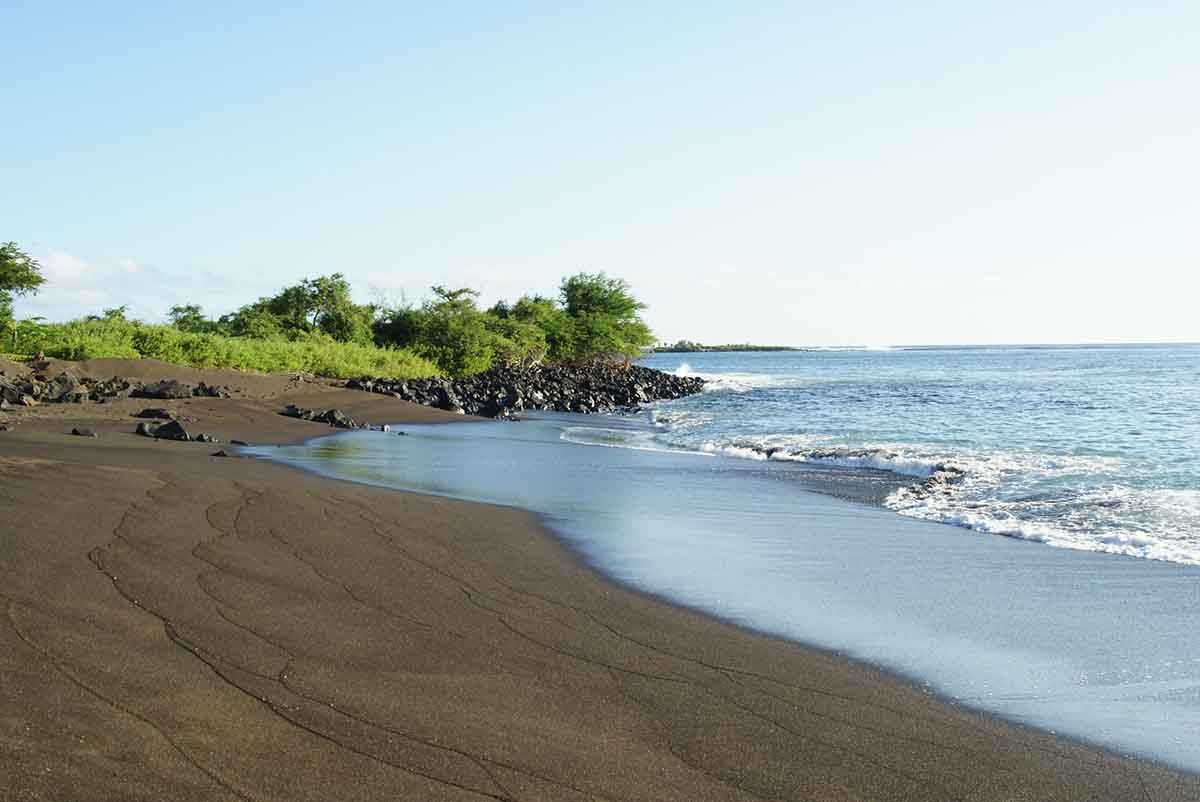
(1083, 622)
(1094, 448)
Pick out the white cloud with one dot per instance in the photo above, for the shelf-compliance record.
(75, 287)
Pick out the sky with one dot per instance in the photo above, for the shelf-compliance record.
(793, 173)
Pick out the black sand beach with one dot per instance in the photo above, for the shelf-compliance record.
(189, 627)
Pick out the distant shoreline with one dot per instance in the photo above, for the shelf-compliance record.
(696, 348)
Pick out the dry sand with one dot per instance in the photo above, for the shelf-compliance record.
(179, 626)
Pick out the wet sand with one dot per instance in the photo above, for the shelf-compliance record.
(188, 627)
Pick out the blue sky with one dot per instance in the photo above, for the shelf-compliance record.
(791, 173)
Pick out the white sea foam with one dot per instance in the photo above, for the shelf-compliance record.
(727, 382)
(816, 451)
(741, 452)
(619, 438)
(999, 493)
(879, 460)
(1151, 524)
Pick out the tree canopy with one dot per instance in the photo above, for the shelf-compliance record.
(19, 274)
(594, 316)
(315, 305)
(605, 315)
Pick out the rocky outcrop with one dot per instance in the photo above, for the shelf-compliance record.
(165, 389)
(502, 391)
(38, 388)
(334, 417)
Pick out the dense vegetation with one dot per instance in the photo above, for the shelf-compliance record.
(112, 335)
(315, 326)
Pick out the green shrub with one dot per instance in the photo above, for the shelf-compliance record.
(317, 353)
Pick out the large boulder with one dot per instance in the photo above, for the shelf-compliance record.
(167, 388)
(172, 430)
(63, 387)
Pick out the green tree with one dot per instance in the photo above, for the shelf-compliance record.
(19, 274)
(515, 341)
(605, 316)
(254, 321)
(401, 326)
(315, 305)
(190, 318)
(556, 326)
(115, 315)
(454, 334)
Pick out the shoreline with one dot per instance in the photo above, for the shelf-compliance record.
(688, 707)
(909, 681)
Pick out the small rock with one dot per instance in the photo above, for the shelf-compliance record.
(293, 411)
(221, 453)
(78, 432)
(205, 438)
(155, 413)
(209, 391)
(5, 406)
(237, 443)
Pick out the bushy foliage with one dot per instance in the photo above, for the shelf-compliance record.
(322, 304)
(596, 316)
(605, 314)
(448, 329)
(190, 318)
(114, 336)
(315, 326)
(19, 274)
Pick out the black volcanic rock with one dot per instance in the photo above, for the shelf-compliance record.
(501, 391)
(334, 417)
(167, 388)
(62, 387)
(172, 431)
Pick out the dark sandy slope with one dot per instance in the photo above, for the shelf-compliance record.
(178, 626)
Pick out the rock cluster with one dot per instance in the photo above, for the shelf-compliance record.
(172, 430)
(334, 417)
(38, 388)
(501, 391)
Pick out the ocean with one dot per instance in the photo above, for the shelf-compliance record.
(1014, 529)
(1085, 447)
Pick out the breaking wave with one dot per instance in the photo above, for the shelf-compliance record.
(988, 492)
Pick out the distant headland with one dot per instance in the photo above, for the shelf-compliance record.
(690, 347)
